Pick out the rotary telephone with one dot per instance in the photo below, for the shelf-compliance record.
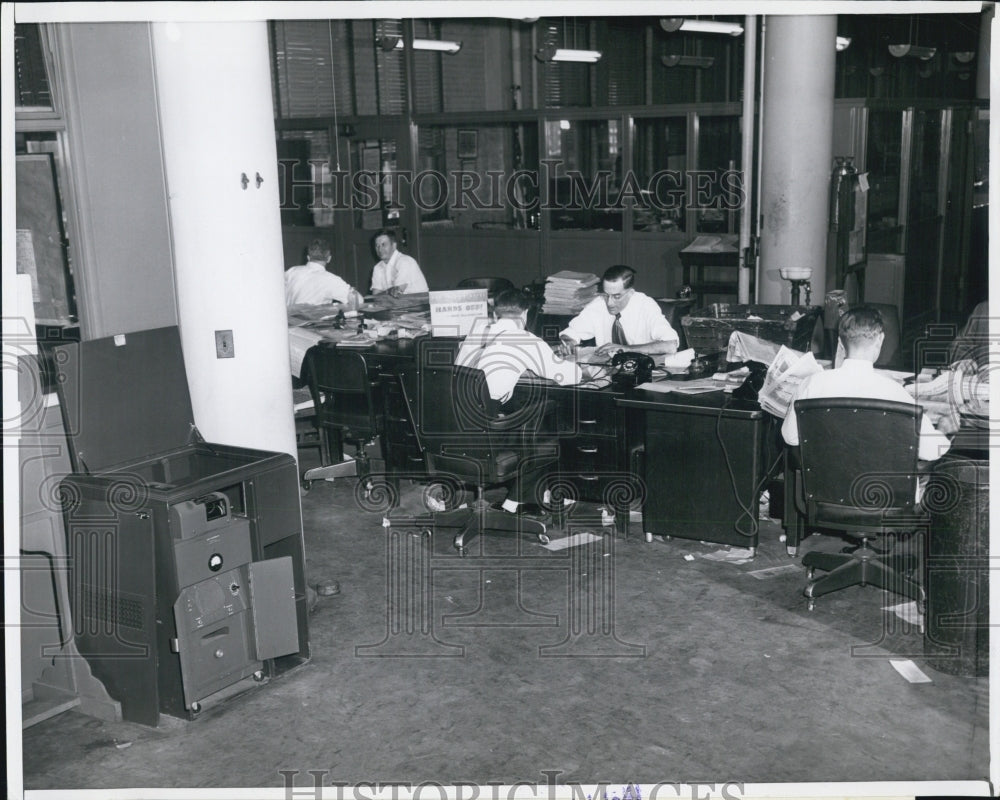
(628, 370)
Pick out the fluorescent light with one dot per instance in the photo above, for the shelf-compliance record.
(674, 24)
(702, 62)
(843, 42)
(438, 45)
(552, 53)
(912, 50)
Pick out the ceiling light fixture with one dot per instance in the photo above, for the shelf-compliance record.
(437, 45)
(913, 51)
(843, 42)
(674, 24)
(701, 62)
(550, 52)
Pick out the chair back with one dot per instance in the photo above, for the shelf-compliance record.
(859, 460)
(492, 285)
(342, 392)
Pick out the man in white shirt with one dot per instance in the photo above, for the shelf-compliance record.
(396, 273)
(621, 319)
(312, 284)
(861, 333)
(504, 350)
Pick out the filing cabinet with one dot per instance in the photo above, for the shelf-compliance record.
(186, 571)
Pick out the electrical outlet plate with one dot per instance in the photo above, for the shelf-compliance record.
(224, 344)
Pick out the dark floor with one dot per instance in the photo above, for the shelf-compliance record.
(616, 660)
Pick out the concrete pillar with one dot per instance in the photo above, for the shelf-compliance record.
(796, 151)
(217, 125)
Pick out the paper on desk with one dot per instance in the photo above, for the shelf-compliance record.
(305, 314)
(300, 340)
(698, 386)
(747, 347)
(786, 372)
(681, 360)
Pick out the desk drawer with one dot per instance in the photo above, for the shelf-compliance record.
(589, 413)
(589, 453)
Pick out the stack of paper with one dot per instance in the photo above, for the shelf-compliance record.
(568, 292)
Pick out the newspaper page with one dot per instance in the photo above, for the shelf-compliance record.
(747, 347)
(786, 372)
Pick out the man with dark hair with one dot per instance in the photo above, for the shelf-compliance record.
(396, 273)
(621, 319)
(312, 284)
(861, 332)
(504, 350)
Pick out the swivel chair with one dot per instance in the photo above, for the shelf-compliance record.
(347, 405)
(467, 440)
(858, 475)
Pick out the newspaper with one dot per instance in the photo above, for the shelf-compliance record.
(786, 372)
(747, 347)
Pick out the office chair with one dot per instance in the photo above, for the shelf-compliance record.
(858, 474)
(347, 405)
(493, 286)
(467, 440)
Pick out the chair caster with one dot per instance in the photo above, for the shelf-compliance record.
(462, 552)
(810, 573)
(812, 604)
(425, 532)
(791, 550)
(306, 485)
(543, 538)
(196, 707)
(258, 675)
(649, 537)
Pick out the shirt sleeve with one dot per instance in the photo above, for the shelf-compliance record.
(585, 324)
(378, 278)
(561, 370)
(411, 276)
(660, 330)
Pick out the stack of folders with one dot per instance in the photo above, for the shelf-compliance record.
(568, 292)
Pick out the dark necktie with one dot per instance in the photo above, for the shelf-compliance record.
(617, 334)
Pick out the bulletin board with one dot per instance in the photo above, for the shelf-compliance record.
(41, 251)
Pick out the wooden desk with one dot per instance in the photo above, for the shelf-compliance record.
(703, 463)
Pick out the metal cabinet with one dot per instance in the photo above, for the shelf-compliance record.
(187, 580)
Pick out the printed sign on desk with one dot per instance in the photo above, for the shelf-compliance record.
(453, 312)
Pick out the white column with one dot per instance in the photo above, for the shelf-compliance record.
(797, 151)
(217, 122)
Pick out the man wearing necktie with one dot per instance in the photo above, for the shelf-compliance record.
(621, 318)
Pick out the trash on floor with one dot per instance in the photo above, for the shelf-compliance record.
(908, 612)
(572, 541)
(909, 670)
(731, 555)
(770, 572)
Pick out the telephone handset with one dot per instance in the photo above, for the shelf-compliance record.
(628, 370)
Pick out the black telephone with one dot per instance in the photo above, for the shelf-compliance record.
(628, 370)
(751, 387)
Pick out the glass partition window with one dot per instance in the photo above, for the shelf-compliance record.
(715, 190)
(477, 176)
(583, 171)
(30, 72)
(884, 163)
(659, 166)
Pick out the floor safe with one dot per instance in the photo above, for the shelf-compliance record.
(186, 558)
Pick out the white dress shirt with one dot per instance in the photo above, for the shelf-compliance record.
(857, 378)
(399, 270)
(313, 285)
(642, 322)
(504, 351)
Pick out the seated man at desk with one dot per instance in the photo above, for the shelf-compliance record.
(505, 351)
(396, 273)
(621, 319)
(861, 332)
(312, 284)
